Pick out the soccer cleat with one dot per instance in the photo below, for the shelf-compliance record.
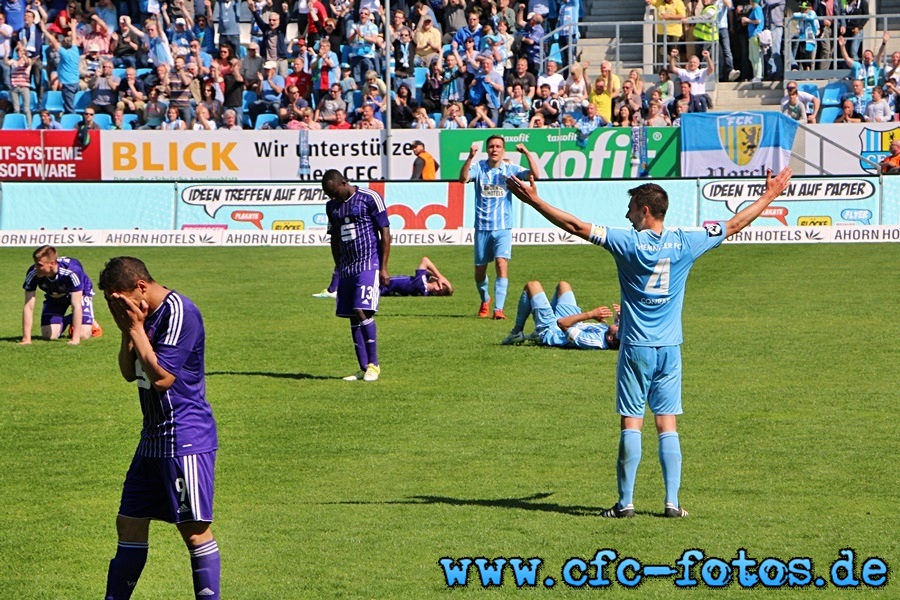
(498, 315)
(325, 294)
(734, 75)
(533, 336)
(372, 373)
(485, 311)
(358, 376)
(675, 512)
(618, 513)
(96, 330)
(514, 337)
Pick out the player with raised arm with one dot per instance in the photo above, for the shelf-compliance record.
(172, 474)
(653, 263)
(493, 216)
(360, 245)
(65, 284)
(560, 322)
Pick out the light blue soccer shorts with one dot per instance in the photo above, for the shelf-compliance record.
(545, 316)
(491, 245)
(648, 376)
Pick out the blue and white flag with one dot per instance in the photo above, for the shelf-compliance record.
(739, 144)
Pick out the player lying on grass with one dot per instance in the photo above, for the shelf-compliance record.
(64, 284)
(427, 281)
(560, 323)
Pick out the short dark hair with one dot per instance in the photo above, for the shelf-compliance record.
(333, 177)
(122, 273)
(653, 197)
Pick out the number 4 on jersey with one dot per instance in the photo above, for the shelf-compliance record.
(659, 279)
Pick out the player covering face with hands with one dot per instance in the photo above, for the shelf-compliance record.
(653, 264)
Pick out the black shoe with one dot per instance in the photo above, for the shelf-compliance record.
(675, 512)
(618, 513)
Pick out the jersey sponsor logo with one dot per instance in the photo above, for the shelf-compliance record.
(493, 191)
(713, 229)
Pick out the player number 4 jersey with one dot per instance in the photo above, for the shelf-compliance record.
(653, 270)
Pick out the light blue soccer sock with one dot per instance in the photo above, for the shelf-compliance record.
(370, 338)
(125, 570)
(670, 460)
(522, 311)
(483, 290)
(500, 287)
(627, 466)
(359, 344)
(206, 570)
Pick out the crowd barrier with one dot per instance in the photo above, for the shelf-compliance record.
(718, 145)
(189, 213)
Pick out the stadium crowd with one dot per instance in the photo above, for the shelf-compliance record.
(182, 65)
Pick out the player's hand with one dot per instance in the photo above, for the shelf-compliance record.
(126, 313)
(473, 150)
(522, 191)
(385, 277)
(777, 184)
(600, 313)
(521, 148)
(74, 341)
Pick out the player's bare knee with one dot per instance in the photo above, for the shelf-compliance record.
(132, 530)
(195, 533)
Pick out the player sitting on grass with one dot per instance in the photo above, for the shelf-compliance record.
(561, 323)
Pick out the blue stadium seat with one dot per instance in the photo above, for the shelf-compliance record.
(82, 101)
(266, 119)
(129, 121)
(69, 121)
(421, 77)
(833, 92)
(15, 121)
(249, 98)
(53, 101)
(436, 117)
(829, 114)
(119, 72)
(345, 53)
(242, 50)
(357, 100)
(141, 73)
(103, 120)
(36, 120)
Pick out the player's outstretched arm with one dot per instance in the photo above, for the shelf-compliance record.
(565, 221)
(600, 313)
(28, 317)
(774, 187)
(77, 298)
(530, 158)
(464, 171)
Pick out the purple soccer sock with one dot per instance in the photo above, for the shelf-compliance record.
(359, 344)
(370, 336)
(332, 287)
(206, 567)
(125, 570)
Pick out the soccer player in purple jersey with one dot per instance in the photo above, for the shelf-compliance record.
(64, 284)
(360, 244)
(171, 477)
(427, 281)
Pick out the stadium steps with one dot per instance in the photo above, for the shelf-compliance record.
(748, 96)
(601, 44)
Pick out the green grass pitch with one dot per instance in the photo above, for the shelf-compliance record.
(466, 448)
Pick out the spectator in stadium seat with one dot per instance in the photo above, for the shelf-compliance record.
(482, 118)
(656, 116)
(859, 96)
(805, 97)
(203, 30)
(364, 39)
(613, 83)
(104, 89)
(368, 120)
(271, 87)
(132, 93)
(547, 106)
(87, 121)
(325, 69)
(427, 38)
(560, 322)
(69, 59)
(118, 120)
(20, 78)
(273, 47)
(472, 30)
(251, 67)
(891, 163)
(677, 109)
(531, 37)
(173, 121)
(154, 43)
(292, 105)
(125, 45)
(230, 122)
(794, 108)
(340, 120)
(229, 23)
(154, 112)
(180, 34)
(210, 100)
(422, 120)
(694, 103)
(196, 56)
(204, 121)
(516, 108)
(403, 106)
(892, 69)
(868, 70)
(878, 110)
(553, 78)
(601, 98)
(404, 59)
(848, 113)
(589, 122)
(326, 109)
(453, 118)
(521, 76)
(47, 121)
(629, 98)
(178, 91)
(693, 74)
(624, 116)
(575, 91)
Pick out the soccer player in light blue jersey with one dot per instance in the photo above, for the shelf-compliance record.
(653, 264)
(172, 474)
(493, 216)
(560, 322)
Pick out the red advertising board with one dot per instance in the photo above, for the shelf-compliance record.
(47, 155)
